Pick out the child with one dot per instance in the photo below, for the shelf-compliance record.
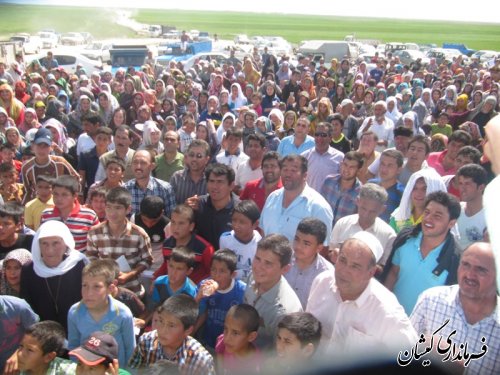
(235, 350)
(98, 355)
(257, 103)
(34, 208)
(11, 224)
(97, 203)
(172, 341)
(218, 294)
(307, 262)
(244, 237)
(8, 155)
(232, 154)
(10, 189)
(180, 266)
(40, 347)
(181, 229)
(67, 209)
(121, 240)
(99, 311)
(442, 126)
(10, 281)
(297, 339)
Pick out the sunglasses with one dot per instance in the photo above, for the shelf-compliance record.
(199, 155)
(322, 135)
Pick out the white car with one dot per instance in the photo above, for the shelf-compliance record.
(98, 51)
(220, 58)
(30, 43)
(69, 60)
(72, 39)
(49, 40)
(484, 55)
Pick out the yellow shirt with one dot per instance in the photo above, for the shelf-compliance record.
(33, 212)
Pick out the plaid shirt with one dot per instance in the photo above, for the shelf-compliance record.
(59, 366)
(192, 357)
(156, 187)
(343, 202)
(133, 243)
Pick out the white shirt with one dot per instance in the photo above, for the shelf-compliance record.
(384, 131)
(232, 160)
(85, 143)
(470, 228)
(245, 173)
(244, 251)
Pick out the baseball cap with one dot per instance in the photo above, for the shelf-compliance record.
(43, 135)
(371, 241)
(98, 348)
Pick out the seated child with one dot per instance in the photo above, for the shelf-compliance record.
(10, 280)
(99, 311)
(10, 189)
(34, 208)
(181, 229)
(235, 350)
(98, 355)
(217, 294)
(97, 203)
(11, 225)
(40, 347)
(172, 341)
(243, 238)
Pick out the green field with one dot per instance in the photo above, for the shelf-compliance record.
(293, 27)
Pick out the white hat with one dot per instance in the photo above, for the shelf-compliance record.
(346, 102)
(372, 242)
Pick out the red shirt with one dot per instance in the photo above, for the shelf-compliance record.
(255, 191)
(435, 160)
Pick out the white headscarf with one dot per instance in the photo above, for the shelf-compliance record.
(240, 100)
(394, 115)
(53, 228)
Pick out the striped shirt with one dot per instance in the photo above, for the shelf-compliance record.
(343, 202)
(79, 222)
(155, 187)
(55, 167)
(133, 243)
(184, 187)
(192, 358)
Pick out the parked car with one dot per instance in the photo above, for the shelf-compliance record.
(441, 54)
(408, 56)
(485, 55)
(218, 57)
(49, 39)
(87, 37)
(69, 60)
(98, 51)
(30, 43)
(72, 39)
(242, 39)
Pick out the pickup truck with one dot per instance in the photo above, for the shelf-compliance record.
(31, 43)
(173, 51)
(461, 47)
(124, 56)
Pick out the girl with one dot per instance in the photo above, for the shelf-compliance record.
(10, 279)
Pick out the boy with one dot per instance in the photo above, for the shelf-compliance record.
(68, 210)
(99, 311)
(307, 261)
(297, 339)
(172, 341)
(235, 350)
(8, 155)
(232, 154)
(97, 203)
(181, 229)
(40, 347)
(98, 355)
(34, 208)
(442, 126)
(244, 237)
(217, 294)
(11, 224)
(180, 266)
(119, 239)
(268, 291)
(10, 189)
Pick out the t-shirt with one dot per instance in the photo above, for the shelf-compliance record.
(33, 212)
(156, 233)
(24, 241)
(244, 251)
(162, 290)
(471, 228)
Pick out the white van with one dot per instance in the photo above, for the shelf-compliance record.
(329, 49)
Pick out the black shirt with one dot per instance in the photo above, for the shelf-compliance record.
(24, 241)
(156, 233)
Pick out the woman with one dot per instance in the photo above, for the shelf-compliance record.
(252, 76)
(60, 143)
(106, 108)
(119, 117)
(411, 209)
(53, 282)
(207, 133)
(10, 279)
(83, 107)
(13, 107)
(321, 115)
(277, 120)
(450, 94)
(308, 86)
(160, 89)
(127, 96)
(358, 92)
(290, 122)
(340, 95)
(192, 107)
(236, 99)
(30, 121)
(269, 98)
(14, 137)
(151, 137)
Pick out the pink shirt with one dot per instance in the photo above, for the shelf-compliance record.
(435, 160)
(251, 363)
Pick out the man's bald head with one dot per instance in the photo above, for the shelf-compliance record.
(477, 273)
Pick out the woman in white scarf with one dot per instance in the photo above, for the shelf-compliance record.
(52, 283)
(392, 110)
(151, 137)
(236, 98)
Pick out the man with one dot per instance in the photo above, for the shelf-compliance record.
(370, 203)
(381, 125)
(471, 307)
(258, 190)
(444, 162)
(190, 181)
(350, 122)
(145, 184)
(339, 141)
(322, 160)
(122, 140)
(355, 310)
(251, 169)
(426, 255)
(171, 160)
(342, 190)
(292, 86)
(50, 63)
(91, 122)
(298, 142)
(472, 180)
(284, 208)
(418, 150)
(391, 162)
(466, 155)
(367, 145)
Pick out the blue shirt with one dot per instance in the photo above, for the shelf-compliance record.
(118, 322)
(394, 194)
(162, 290)
(277, 219)
(287, 147)
(415, 273)
(155, 187)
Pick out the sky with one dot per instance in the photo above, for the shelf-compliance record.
(487, 11)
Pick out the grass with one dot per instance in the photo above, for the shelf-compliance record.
(293, 27)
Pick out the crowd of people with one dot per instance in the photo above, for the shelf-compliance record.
(246, 218)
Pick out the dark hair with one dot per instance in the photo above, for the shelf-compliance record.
(249, 209)
(119, 195)
(335, 117)
(421, 139)
(460, 136)
(293, 158)
(256, 137)
(183, 307)
(44, 178)
(67, 182)
(92, 117)
(219, 169)
(152, 155)
(304, 325)
(8, 146)
(50, 336)
(395, 154)
(184, 209)
(369, 132)
(271, 155)
(314, 227)
(447, 200)
(470, 152)
(234, 131)
(101, 268)
(124, 128)
(99, 192)
(327, 125)
(199, 143)
(152, 206)
(227, 256)
(6, 167)
(13, 210)
(182, 254)
(116, 160)
(104, 130)
(247, 314)
(279, 245)
(475, 172)
(355, 156)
